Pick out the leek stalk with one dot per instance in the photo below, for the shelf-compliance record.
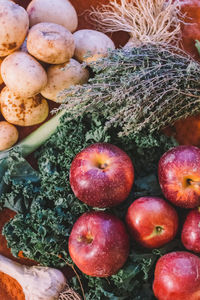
(38, 137)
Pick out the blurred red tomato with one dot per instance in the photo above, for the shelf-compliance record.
(187, 131)
(191, 26)
(191, 33)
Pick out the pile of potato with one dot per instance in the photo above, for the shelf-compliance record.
(39, 57)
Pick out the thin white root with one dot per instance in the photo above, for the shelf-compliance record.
(69, 294)
(147, 21)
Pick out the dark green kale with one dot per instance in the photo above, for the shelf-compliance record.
(18, 182)
(42, 230)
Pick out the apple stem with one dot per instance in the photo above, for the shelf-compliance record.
(103, 166)
(159, 229)
(193, 182)
(88, 239)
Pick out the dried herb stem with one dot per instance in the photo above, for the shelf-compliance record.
(145, 89)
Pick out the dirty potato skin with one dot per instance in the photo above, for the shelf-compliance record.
(23, 75)
(91, 45)
(8, 135)
(14, 24)
(22, 111)
(63, 76)
(55, 11)
(51, 43)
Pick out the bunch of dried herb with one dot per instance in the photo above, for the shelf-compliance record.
(139, 90)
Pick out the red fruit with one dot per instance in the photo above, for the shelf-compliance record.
(187, 131)
(191, 26)
(102, 175)
(177, 277)
(152, 221)
(179, 176)
(99, 244)
(191, 33)
(190, 235)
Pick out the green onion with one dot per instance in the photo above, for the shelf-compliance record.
(38, 137)
(14, 166)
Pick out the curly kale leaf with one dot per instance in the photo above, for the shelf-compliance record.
(19, 183)
(42, 233)
(133, 281)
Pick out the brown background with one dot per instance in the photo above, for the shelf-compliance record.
(180, 129)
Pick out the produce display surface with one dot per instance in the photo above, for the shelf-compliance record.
(102, 201)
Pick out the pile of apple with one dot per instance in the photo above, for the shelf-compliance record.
(102, 176)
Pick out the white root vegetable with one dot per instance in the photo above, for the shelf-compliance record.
(62, 77)
(38, 283)
(51, 43)
(14, 24)
(8, 135)
(23, 74)
(55, 11)
(22, 111)
(91, 45)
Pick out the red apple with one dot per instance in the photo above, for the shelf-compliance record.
(177, 277)
(179, 176)
(99, 244)
(101, 175)
(190, 235)
(152, 221)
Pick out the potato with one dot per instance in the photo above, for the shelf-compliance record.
(23, 48)
(55, 11)
(22, 111)
(91, 45)
(14, 24)
(8, 135)
(63, 76)
(51, 43)
(1, 79)
(23, 74)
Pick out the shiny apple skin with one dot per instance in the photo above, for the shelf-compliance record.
(177, 277)
(190, 235)
(178, 170)
(102, 175)
(99, 244)
(152, 221)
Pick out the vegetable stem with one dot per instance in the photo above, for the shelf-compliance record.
(6, 266)
(38, 137)
(37, 282)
